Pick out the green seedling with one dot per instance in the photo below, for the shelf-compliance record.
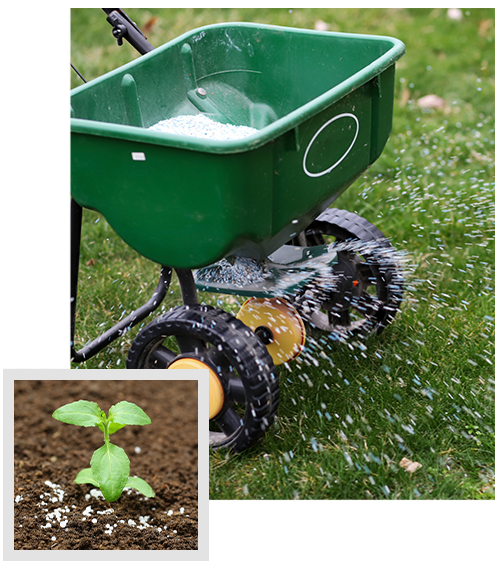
(109, 467)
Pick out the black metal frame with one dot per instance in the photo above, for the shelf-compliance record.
(123, 28)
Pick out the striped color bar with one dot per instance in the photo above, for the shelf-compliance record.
(367, 534)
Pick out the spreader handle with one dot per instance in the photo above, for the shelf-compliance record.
(125, 28)
(123, 326)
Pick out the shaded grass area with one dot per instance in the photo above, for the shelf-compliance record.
(424, 388)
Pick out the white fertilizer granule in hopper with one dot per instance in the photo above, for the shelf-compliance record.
(202, 127)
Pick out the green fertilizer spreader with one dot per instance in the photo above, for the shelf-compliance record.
(249, 216)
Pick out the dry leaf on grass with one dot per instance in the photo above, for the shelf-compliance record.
(431, 102)
(148, 26)
(410, 466)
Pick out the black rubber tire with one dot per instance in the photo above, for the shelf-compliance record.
(238, 357)
(380, 257)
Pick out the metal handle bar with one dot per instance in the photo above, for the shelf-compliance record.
(70, 295)
(125, 28)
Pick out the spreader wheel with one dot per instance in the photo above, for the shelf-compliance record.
(278, 325)
(244, 386)
(365, 290)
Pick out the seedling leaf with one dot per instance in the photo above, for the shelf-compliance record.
(86, 476)
(81, 413)
(141, 486)
(113, 427)
(111, 467)
(128, 413)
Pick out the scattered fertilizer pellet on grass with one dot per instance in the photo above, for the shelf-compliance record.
(201, 126)
(241, 272)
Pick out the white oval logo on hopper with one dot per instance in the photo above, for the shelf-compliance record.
(323, 172)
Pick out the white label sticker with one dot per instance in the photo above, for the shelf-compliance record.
(138, 156)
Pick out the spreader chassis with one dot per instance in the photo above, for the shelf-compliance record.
(338, 274)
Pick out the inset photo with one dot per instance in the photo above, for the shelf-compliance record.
(104, 464)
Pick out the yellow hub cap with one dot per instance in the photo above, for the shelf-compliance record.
(215, 390)
(280, 321)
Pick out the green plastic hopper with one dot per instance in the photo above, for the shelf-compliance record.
(322, 103)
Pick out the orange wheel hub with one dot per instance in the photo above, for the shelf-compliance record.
(215, 390)
(282, 324)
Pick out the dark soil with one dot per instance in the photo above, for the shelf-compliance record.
(48, 450)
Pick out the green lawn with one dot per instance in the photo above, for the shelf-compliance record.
(424, 389)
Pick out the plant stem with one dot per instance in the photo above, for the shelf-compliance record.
(106, 427)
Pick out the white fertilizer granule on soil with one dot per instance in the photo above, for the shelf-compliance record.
(202, 127)
(55, 518)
